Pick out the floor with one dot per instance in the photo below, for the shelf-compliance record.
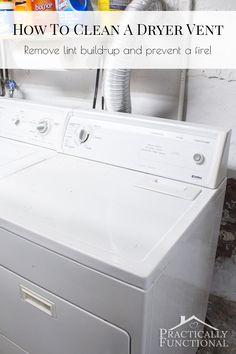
(222, 314)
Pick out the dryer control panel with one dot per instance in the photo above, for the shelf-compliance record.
(176, 150)
(32, 123)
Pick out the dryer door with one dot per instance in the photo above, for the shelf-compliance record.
(40, 322)
(7, 347)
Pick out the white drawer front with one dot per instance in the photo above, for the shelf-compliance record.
(42, 323)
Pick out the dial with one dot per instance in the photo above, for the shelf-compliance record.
(199, 158)
(81, 135)
(43, 127)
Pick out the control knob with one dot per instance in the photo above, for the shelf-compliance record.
(198, 158)
(42, 127)
(81, 135)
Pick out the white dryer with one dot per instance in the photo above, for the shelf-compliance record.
(113, 238)
(29, 133)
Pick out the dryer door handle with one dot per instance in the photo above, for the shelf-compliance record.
(38, 301)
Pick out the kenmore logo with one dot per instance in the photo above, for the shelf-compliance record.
(198, 177)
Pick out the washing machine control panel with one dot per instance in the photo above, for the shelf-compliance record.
(32, 123)
(174, 150)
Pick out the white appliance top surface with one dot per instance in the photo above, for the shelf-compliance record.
(11, 151)
(15, 156)
(117, 221)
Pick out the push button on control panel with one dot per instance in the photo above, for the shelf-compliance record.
(199, 158)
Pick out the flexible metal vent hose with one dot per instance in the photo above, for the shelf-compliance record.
(117, 81)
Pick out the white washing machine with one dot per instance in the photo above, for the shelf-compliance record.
(29, 133)
(111, 239)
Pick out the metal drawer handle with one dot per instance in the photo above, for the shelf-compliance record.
(37, 301)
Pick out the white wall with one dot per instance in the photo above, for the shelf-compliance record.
(76, 88)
